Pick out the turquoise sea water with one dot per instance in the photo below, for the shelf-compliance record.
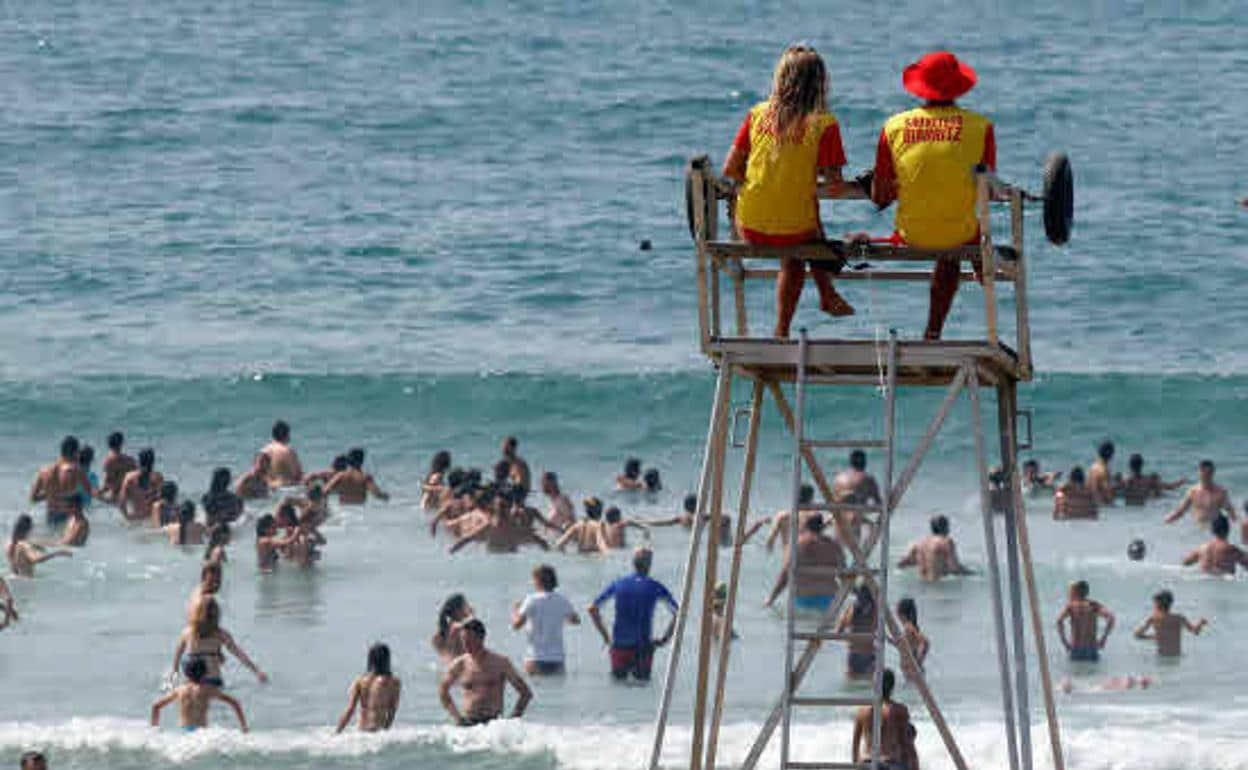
(416, 226)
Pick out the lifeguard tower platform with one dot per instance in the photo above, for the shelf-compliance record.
(806, 366)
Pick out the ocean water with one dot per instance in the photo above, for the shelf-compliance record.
(415, 226)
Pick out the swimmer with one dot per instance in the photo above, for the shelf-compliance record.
(1100, 480)
(780, 521)
(1075, 499)
(165, 509)
(77, 530)
(221, 506)
(269, 543)
(586, 533)
(1112, 684)
(561, 513)
(448, 640)
(1083, 643)
(316, 505)
(1218, 556)
(464, 501)
(614, 529)
(820, 560)
(689, 513)
(543, 614)
(305, 551)
(218, 539)
(285, 470)
(630, 479)
(1035, 482)
(652, 481)
(483, 676)
(1136, 550)
(33, 760)
(518, 469)
(8, 608)
(1137, 489)
(23, 555)
(897, 751)
(1205, 499)
(919, 644)
(209, 583)
(194, 698)
(503, 533)
(186, 531)
(860, 620)
(631, 639)
(936, 555)
(256, 483)
(376, 693)
(719, 608)
(1167, 627)
(322, 477)
(204, 639)
(432, 488)
(353, 486)
(58, 484)
(115, 467)
(89, 491)
(140, 489)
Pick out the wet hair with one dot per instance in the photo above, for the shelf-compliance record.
(864, 602)
(642, 559)
(1076, 475)
(340, 463)
(651, 478)
(799, 87)
(1136, 463)
(265, 525)
(454, 604)
(908, 610)
(549, 477)
(194, 669)
(1081, 588)
(31, 757)
(1105, 451)
(502, 469)
(805, 494)
(147, 461)
(475, 626)
(1220, 526)
(455, 478)
(815, 523)
(116, 440)
(472, 477)
(510, 444)
(186, 515)
(355, 458)
(545, 576)
(220, 483)
(169, 491)
(379, 659)
(997, 476)
(632, 468)
(69, 448)
(207, 617)
(86, 456)
(1031, 464)
(1207, 465)
(281, 431)
(22, 526)
(612, 515)
(440, 462)
(1164, 599)
(858, 460)
(940, 524)
(887, 683)
(593, 508)
(218, 535)
(691, 504)
(1136, 550)
(285, 514)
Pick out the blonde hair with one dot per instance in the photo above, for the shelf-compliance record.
(799, 87)
(207, 618)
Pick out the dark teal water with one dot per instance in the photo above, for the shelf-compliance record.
(416, 226)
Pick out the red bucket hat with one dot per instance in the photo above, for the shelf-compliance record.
(938, 76)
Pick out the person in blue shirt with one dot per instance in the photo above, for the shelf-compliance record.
(631, 640)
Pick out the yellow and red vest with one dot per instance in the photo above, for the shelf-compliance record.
(778, 197)
(934, 151)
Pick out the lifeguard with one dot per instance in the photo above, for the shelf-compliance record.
(924, 161)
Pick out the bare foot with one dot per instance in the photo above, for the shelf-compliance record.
(836, 306)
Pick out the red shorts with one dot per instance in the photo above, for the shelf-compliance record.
(632, 660)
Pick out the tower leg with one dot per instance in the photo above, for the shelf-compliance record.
(1009, 464)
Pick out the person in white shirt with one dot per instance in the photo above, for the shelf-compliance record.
(544, 613)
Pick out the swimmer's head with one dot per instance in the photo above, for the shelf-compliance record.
(186, 512)
(805, 494)
(86, 456)
(888, 683)
(642, 559)
(858, 460)
(691, 504)
(815, 523)
(940, 524)
(453, 609)
(632, 468)
(218, 535)
(1136, 550)
(210, 577)
(169, 491)
(1076, 475)
(355, 458)
(33, 760)
(510, 445)
(281, 431)
(612, 515)
(147, 459)
(652, 481)
(550, 483)
(21, 527)
(473, 477)
(116, 440)
(69, 448)
(455, 478)
(1105, 451)
(997, 476)
(220, 481)
(195, 669)
(1136, 463)
(864, 600)
(545, 578)
(286, 515)
(1031, 466)
(908, 611)
(1080, 589)
(474, 635)
(1206, 470)
(340, 463)
(593, 508)
(1163, 600)
(265, 525)
(441, 461)
(379, 660)
(1220, 526)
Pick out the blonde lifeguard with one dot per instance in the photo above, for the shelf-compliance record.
(799, 88)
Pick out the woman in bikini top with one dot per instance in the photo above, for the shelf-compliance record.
(204, 639)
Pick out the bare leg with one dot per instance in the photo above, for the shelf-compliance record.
(945, 279)
(830, 301)
(788, 292)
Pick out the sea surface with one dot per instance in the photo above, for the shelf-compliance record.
(416, 226)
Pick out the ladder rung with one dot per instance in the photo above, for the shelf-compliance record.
(829, 765)
(843, 507)
(845, 443)
(831, 702)
(833, 636)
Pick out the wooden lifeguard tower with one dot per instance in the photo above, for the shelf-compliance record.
(770, 365)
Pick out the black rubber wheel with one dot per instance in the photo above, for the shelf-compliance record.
(1059, 198)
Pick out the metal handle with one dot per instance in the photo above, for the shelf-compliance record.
(1026, 445)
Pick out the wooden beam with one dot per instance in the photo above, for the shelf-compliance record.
(1023, 320)
(925, 443)
(987, 256)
